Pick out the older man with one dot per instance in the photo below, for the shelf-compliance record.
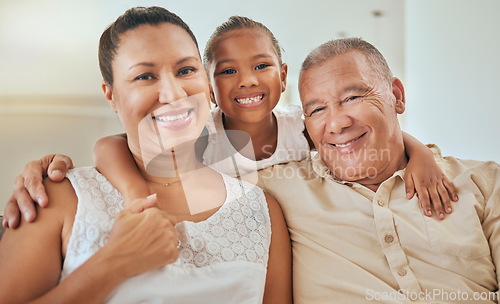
(355, 236)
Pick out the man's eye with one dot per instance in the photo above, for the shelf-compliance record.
(144, 77)
(261, 66)
(316, 111)
(351, 98)
(228, 71)
(186, 71)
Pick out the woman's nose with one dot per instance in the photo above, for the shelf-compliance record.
(170, 90)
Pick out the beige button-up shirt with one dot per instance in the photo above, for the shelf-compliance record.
(353, 245)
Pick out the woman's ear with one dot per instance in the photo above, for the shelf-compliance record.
(284, 72)
(108, 94)
(398, 91)
(212, 95)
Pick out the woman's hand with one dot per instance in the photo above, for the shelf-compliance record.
(29, 188)
(143, 238)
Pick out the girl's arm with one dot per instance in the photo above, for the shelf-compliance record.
(31, 256)
(425, 177)
(279, 267)
(113, 159)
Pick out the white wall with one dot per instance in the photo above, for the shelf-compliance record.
(50, 98)
(453, 75)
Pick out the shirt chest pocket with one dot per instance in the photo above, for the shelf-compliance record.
(460, 233)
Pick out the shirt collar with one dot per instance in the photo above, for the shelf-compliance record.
(322, 170)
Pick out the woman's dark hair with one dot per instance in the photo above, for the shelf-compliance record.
(131, 19)
(236, 23)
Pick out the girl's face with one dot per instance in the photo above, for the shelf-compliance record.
(246, 75)
(160, 88)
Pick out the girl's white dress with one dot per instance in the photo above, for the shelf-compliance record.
(221, 260)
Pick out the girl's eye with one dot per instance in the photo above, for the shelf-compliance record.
(228, 71)
(261, 66)
(144, 77)
(186, 71)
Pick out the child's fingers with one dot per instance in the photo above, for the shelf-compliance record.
(410, 186)
(445, 198)
(450, 187)
(436, 201)
(423, 197)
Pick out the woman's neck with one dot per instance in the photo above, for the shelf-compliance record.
(169, 167)
(264, 135)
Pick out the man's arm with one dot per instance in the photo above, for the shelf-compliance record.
(490, 188)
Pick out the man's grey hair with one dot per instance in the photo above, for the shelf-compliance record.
(341, 46)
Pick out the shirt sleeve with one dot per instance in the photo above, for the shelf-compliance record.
(491, 222)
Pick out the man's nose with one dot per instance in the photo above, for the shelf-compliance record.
(170, 89)
(247, 79)
(338, 119)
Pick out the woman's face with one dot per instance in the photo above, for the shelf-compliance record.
(160, 89)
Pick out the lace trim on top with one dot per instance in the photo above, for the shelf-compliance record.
(239, 231)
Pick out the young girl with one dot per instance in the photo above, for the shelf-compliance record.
(247, 133)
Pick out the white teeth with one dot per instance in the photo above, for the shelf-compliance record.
(249, 100)
(346, 144)
(172, 117)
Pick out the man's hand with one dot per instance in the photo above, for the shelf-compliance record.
(29, 188)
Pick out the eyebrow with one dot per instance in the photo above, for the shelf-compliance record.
(151, 64)
(258, 56)
(352, 88)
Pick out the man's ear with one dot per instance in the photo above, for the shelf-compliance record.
(108, 94)
(284, 72)
(398, 91)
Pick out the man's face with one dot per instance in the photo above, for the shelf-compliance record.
(351, 116)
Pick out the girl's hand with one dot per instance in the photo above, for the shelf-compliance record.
(432, 186)
(29, 188)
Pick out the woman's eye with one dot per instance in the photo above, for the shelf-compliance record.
(186, 71)
(144, 77)
(261, 66)
(228, 71)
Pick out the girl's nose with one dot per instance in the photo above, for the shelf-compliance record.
(247, 79)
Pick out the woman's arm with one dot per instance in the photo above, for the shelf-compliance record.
(142, 238)
(429, 181)
(113, 159)
(279, 268)
(29, 187)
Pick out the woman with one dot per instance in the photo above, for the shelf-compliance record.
(203, 238)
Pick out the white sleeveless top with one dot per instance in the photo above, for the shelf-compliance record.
(221, 260)
(223, 157)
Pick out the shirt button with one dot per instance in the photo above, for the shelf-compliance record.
(389, 238)
(402, 272)
(381, 203)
